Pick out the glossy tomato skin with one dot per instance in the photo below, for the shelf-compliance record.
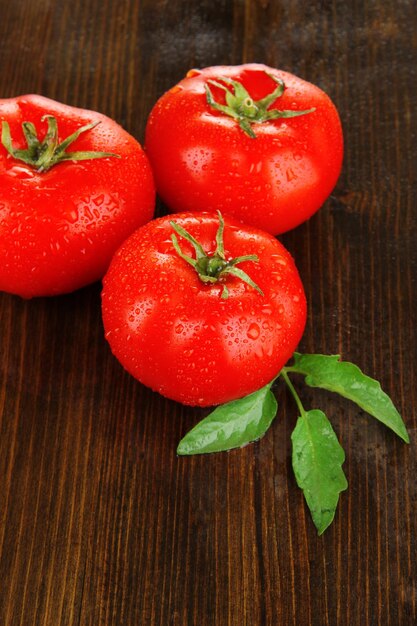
(59, 229)
(178, 336)
(202, 160)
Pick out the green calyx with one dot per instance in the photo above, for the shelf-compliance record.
(244, 109)
(211, 268)
(42, 155)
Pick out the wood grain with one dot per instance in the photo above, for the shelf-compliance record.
(100, 522)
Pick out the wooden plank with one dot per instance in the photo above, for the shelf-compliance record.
(100, 522)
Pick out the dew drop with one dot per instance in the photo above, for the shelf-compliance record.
(253, 331)
(21, 172)
(98, 200)
(282, 262)
(259, 351)
(290, 174)
(191, 74)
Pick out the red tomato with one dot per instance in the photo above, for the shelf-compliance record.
(209, 152)
(202, 343)
(61, 223)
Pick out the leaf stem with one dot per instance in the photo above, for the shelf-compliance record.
(293, 392)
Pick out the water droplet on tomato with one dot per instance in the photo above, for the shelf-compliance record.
(179, 328)
(191, 73)
(259, 351)
(98, 200)
(253, 331)
(290, 174)
(278, 259)
(21, 172)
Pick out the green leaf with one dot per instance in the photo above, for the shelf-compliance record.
(346, 379)
(317, 459)
(232, 425)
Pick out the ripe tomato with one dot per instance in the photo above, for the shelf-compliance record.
(192, 323)
(216, 141)
(64, 209)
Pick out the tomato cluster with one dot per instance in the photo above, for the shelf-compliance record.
(204, 306)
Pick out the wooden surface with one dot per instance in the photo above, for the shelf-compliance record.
(100, 522)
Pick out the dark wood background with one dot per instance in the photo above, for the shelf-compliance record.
(100, 522)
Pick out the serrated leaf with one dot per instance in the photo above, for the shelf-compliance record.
(317, 459)
(232, 425)
(346, 379)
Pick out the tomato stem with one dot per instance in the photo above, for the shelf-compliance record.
(246, 111)
(211, 268)
(293, 392)
(42, 155)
